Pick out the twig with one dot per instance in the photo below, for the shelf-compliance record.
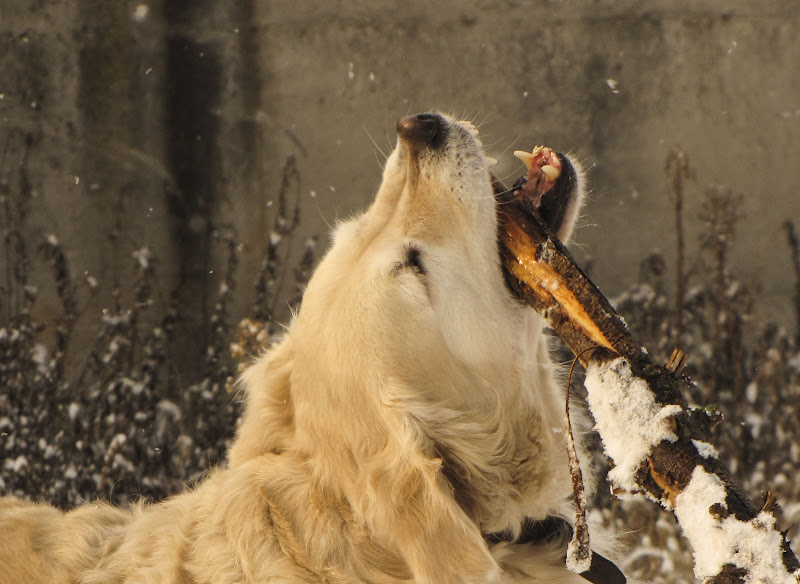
(794, 247)
(720, 212)
(273, 266)
(660, 447)
(579, 551)
(678, 165)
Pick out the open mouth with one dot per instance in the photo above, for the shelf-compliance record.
(546, 190)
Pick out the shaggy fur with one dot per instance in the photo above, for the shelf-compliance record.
(409, 410)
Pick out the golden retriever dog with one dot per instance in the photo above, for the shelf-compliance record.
(407, 428)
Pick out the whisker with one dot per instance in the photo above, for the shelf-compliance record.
(374, 143)
(389, 139)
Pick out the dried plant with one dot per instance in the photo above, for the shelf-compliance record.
(119, 428)
(794, 249)
(678, 167)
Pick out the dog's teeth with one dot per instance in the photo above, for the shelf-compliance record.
(551, 172)
(525, 157)
(490, 161)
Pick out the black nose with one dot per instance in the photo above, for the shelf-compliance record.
(422, 129)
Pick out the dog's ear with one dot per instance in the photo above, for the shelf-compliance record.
(267, 426)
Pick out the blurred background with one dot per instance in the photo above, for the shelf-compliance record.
(170, 172)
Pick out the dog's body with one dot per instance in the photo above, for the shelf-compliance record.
(409, 411)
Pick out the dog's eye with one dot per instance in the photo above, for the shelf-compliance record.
(413, 260)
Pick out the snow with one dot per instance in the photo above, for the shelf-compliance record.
(16, 464)
(751, 392)
(548, 253)
(169, 408)
(752, 545)
(627, 417)
(143, 258)
(578, 561)
(705, 449)
(41, 356)
(755, 421)
(117, 441)
(794, 363)
(140, 12)
(115, 319)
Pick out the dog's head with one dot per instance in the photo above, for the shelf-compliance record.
(413, 289)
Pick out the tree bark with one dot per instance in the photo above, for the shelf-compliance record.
(734, 541)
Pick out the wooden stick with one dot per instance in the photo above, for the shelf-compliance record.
(734, 541)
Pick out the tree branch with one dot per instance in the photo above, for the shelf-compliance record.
(658, 444)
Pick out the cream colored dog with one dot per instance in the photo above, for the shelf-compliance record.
(406, 425)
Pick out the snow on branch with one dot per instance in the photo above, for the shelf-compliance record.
(660, 447)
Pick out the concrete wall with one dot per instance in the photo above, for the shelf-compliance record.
(151, 123)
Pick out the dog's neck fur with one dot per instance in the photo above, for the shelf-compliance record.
(498, 458)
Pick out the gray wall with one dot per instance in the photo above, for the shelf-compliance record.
(126, 124)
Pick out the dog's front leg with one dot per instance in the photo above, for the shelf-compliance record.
(407, 503)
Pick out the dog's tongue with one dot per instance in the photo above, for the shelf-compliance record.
(544, 168)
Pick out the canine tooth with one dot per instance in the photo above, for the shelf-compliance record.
(551, 172)
(525, 157)
(490, 161)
